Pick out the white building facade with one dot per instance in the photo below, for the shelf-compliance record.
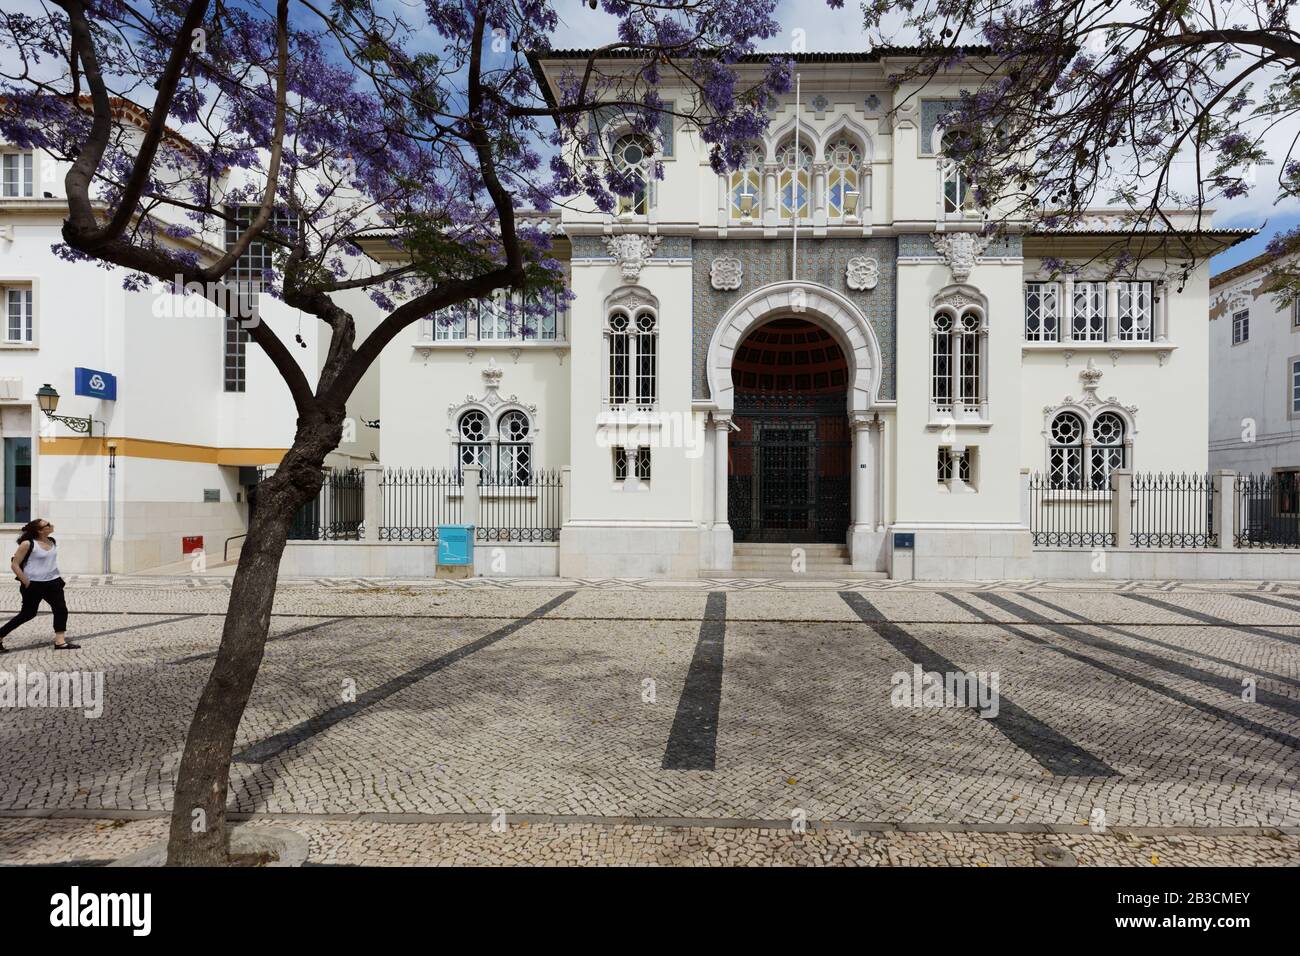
(198, 407)
(1254, 375)
(819, 349)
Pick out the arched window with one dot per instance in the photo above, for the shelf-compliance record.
(843, 179)
(514, 448)
(793, 182)
(957, 364)
(941, 363)
(473, 447)
(745, 186)
(1108, 450)
(1065, 451)
(631, 154)
(958, 193)
(633, 350)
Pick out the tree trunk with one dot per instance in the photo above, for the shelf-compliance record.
(199, 836)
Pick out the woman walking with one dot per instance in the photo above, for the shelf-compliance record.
(36, 566)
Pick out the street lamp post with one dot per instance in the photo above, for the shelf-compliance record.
(48, 398)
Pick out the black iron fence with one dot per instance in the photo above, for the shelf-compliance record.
(1267, 511)
(520, 507)
(337, 513)
(1173, 511)
(414, 501)
(1061, 517)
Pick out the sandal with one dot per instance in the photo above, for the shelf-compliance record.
(67, 646)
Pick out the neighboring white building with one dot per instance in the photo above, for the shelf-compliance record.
(198, 406)
(717, 381)
(1254, 376)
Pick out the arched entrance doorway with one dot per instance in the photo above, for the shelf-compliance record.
(789, 469)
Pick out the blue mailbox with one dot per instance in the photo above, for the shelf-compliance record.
(456, 544)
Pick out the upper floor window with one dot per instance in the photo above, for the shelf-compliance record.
(1295, 387)
(502, 317)
(631, 155)
(957, 363)
(1089, 320)
(1240, 326)
(843, 179)
(235, 356)
(1295, 314)
(258, 259)
(16, 179)
(1134, 319)
(633, 346)
(20, 322)
(1042, 311)
(745, 186)
(793, 182)
(958, 191)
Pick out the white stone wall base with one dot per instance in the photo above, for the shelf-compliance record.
(867, 549)
(629, 551)
(965, 554)
(717, 546)
(412, 559)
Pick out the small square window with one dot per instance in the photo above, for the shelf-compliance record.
(642, 464)
(948, 461)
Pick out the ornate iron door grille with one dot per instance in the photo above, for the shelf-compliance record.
(789, 469)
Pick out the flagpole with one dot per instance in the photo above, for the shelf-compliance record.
(794, 189)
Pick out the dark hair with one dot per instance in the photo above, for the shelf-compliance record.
(31, 530)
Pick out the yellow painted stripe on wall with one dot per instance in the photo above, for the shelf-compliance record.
(161, 450)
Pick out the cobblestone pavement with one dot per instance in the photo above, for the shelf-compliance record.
(686, 722)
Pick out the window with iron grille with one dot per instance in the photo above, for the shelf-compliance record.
(1295, 314)
(1295, 387)
(16, 181)
(957, 364)
(1042, 311)
(1089, 320)
(1108, 450)
(642, 463)
(1134, 320)
(631, 154)
(235, 356)
(1287, 484)
(1065, 451)
(947, 462)
(19, 319)
(473, 447)
(633, 349)
(1240, 326)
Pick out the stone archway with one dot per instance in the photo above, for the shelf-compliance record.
(805, 300)
(849, 328)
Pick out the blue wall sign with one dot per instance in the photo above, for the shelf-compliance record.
(904, 541)
(96, 384)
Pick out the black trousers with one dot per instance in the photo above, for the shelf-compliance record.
(51, 592)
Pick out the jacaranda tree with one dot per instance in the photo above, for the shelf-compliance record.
(319, 122)
(1149, 105)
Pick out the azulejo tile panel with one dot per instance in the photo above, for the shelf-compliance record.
(767, 261)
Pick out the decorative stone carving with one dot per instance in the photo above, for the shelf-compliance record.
(961, 250)
(491, 397)
(492, 373)
(1090, 376)
(725, 272)
(872, 103)
(862, 273)
(905, 114)
(631, 253)
(958, 300)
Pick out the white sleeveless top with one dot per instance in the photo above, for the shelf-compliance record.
(42, 565)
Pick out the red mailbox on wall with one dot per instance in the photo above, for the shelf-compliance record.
(191, 543)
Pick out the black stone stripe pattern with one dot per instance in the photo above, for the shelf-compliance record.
(1208, 618)
(277, 744)
(1228, 685)
(1187, 652)
(209, 655)
(1049, 748)
(80, 638)
(693, 740)
(1281, 601)
(1287, 740)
